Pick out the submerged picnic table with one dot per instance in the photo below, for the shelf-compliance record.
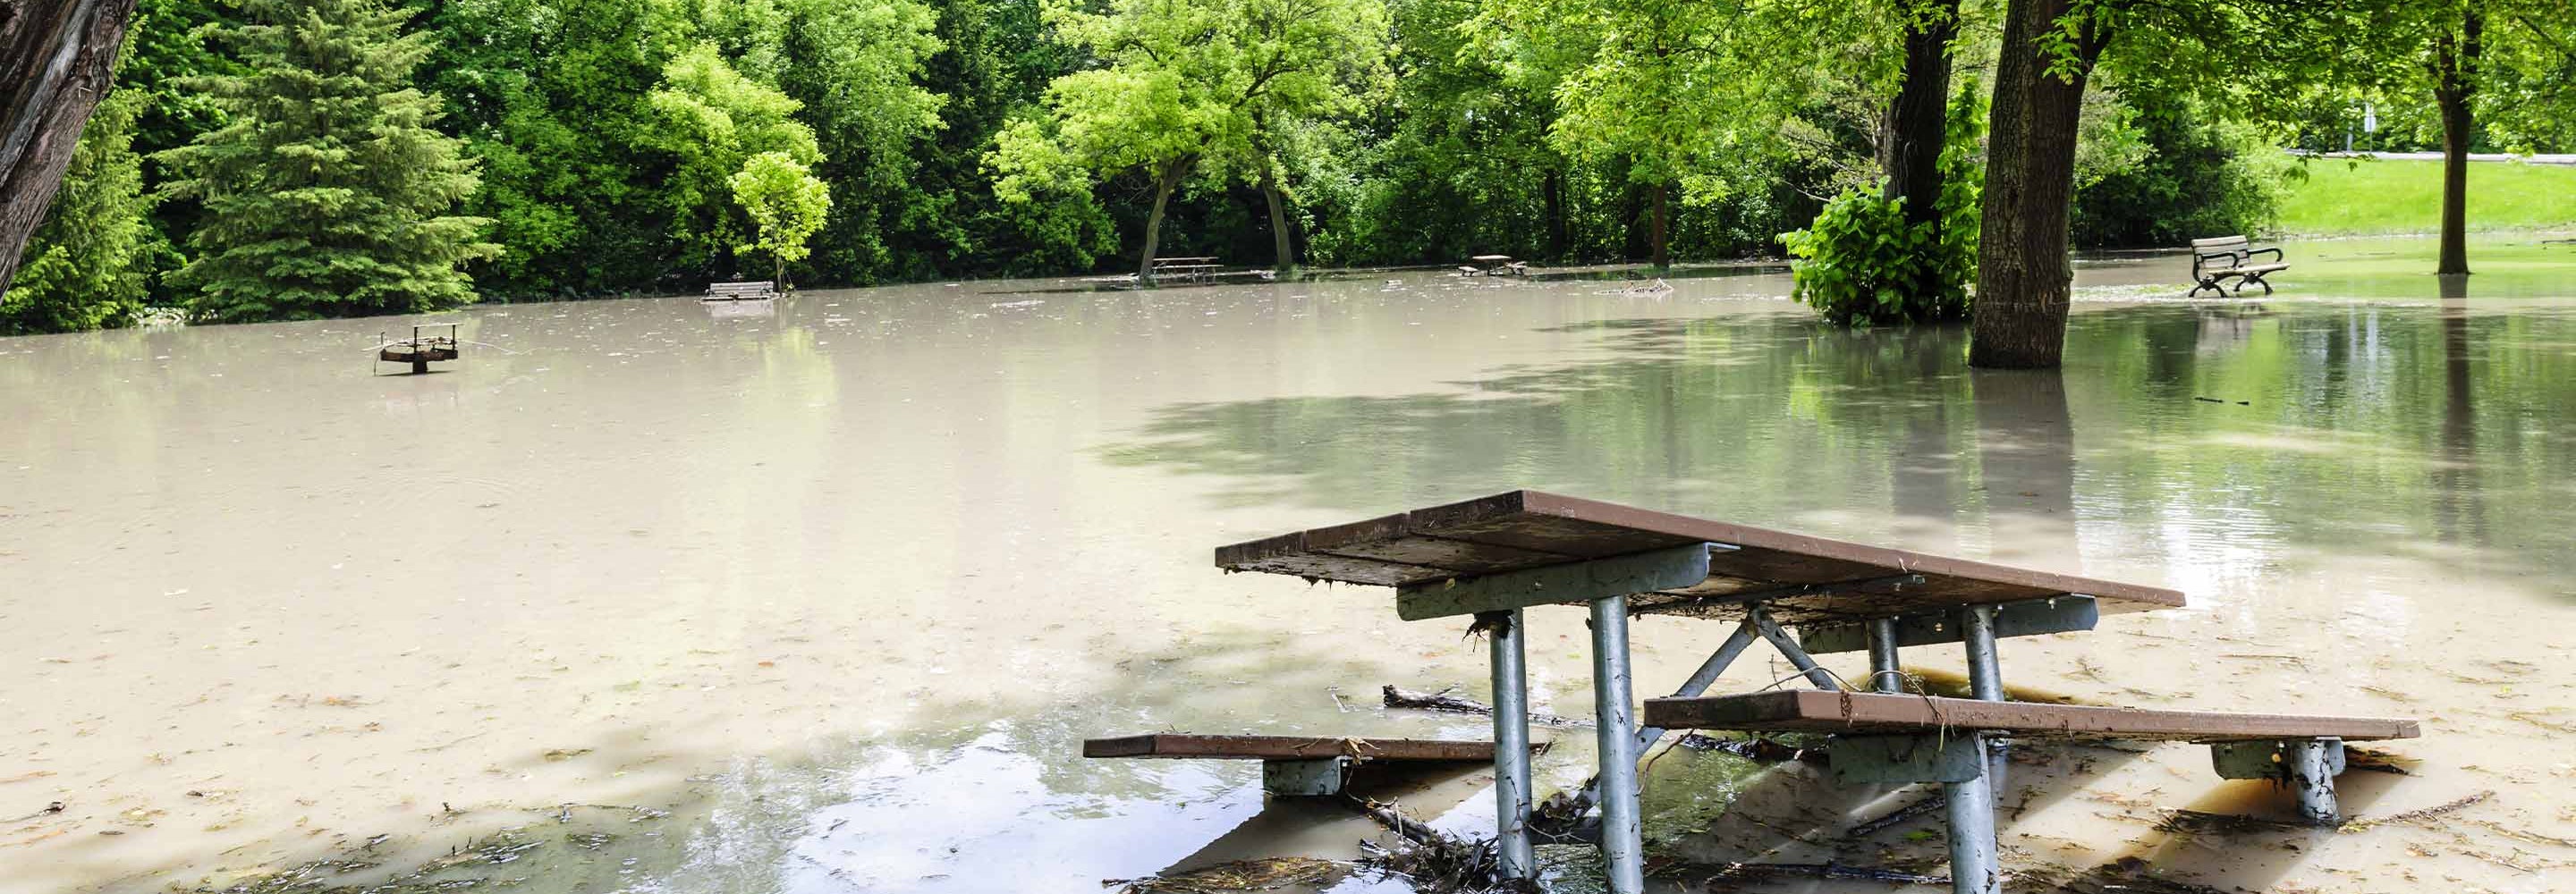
(1493, 557)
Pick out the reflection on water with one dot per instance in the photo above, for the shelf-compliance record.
(843, 586)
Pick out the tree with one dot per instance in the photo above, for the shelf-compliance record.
(326, 194)
(2459, 49)
(787, 206)
(716, 120)
(80, 270)
(1189, 87)
(55, 64)
(1682, 91)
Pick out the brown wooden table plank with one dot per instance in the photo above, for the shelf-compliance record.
(1846, 712)
(1184, 745)
(1528, 529)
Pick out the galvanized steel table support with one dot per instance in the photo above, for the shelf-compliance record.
(1504, 639)
(1622, 842)
(1883, 675)
(1705, 677)
(1305, 778)
(1971, 808)
(1770, 630)
(2307, 767)
(1985, 680)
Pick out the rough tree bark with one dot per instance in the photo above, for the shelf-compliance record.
(2455, 73)
(1552, 189)
(1917, 123)
(2019, 321)
(1661, 233)
(1284, 254)
(1165, 182)
(56, 61)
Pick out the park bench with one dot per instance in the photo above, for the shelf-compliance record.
(2215, 261)
(741, 291)
(1495, 556)
(1293, 765)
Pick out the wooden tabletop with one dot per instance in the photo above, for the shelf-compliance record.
(1816, 711)
(1491, 258)
(1801, 578)
(1184, 745)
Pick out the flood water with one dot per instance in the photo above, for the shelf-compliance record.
(639, 597)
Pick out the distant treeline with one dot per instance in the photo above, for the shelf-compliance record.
(589, 146)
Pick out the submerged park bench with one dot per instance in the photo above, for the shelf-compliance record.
(1493, 557)
(741, 291)
(2215, 261)
(1293, 765)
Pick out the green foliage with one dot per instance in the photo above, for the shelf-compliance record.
(2197, 176)
(1862, 264)
(326, 192)
(1193, 86)
(713, 121)
(786, 203)
(80, 270)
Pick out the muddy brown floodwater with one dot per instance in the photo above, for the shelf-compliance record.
(638, 597)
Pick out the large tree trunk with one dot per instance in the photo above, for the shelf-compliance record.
(57, 58)
(1918, 123)
(1165, 182)
(1662, 231)
(2023, 274)
(1552, 190)
(1284, 254)
(2455, 71)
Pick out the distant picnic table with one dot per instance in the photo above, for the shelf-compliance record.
(1186, 268)
(1494, 265)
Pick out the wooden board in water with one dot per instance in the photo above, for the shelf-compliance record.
(1816, 711)
(1183, 745)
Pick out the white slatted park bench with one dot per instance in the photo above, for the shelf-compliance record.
(1492, 557)
(1293, 765)
(741, 291)
(2215, 261)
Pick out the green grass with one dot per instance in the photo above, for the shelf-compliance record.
(2348, 198)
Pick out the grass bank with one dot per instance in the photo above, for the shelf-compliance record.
(2343, 197)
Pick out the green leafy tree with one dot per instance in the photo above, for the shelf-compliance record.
(1685, 92)
(1190, 87)
(715, 120)
(327, 192)
(787, 205)
(80, 268)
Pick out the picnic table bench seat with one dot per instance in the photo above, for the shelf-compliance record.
(1811, 711)
(1292, 765)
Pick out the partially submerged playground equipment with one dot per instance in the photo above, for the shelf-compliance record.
(426, 345)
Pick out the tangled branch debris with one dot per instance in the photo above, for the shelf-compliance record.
(1443, 701)
(1240, 875)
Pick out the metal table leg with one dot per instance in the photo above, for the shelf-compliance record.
(1511, 743)
(1622, 839)
(1971, 811)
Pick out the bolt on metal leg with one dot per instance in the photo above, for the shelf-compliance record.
(1622, 841)
(2312, 778)
(1971, 808)
(1883, 675)
(1511, 743)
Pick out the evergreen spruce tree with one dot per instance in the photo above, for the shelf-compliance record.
(326, 194)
